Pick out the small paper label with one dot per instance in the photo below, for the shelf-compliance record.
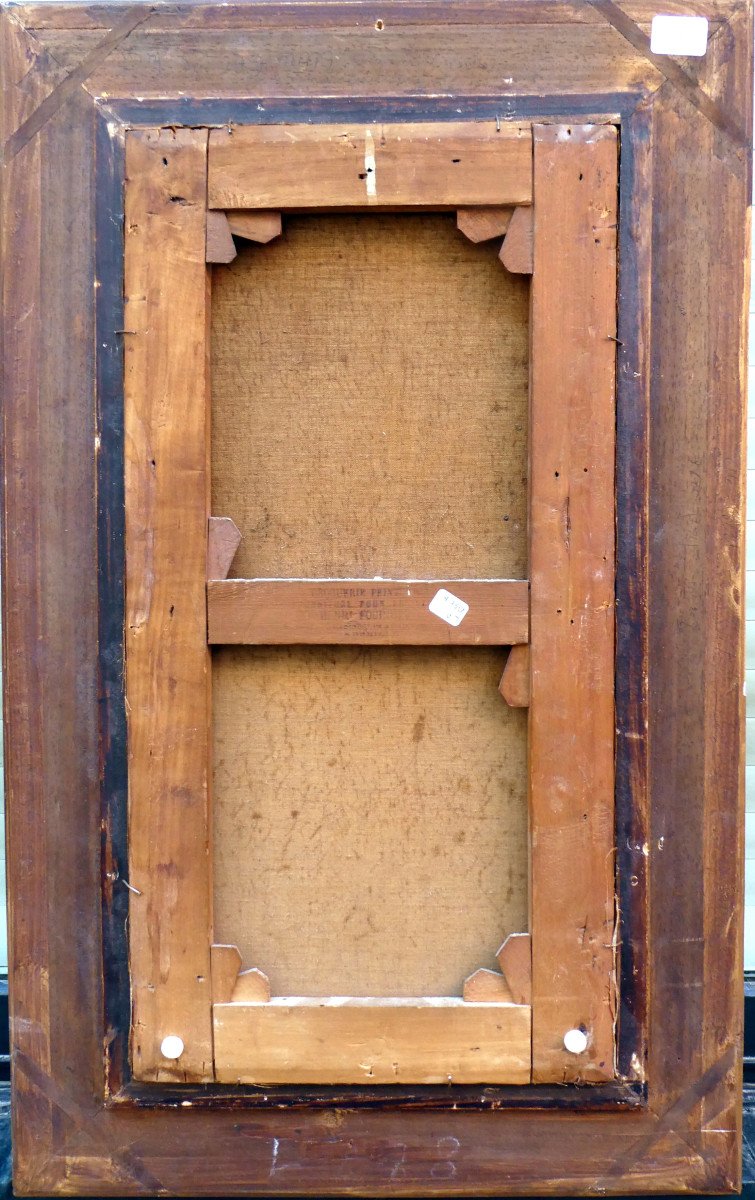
(448, 607)
(686, 36)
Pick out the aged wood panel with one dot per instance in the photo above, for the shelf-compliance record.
(491, 1153)
(370, 818)
(37, 16)
(30, 75)
(725, 758)
(724, 75)
(571, 713)
(366, 612)
(315, 166)
(64, 426)
(392, 344)
(167, 660)
(696, 559)
(410, 60)
(345, 1041)
(41, 556)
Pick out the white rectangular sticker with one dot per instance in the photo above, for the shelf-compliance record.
(686, 36)
(448, 607)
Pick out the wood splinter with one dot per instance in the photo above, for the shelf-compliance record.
(517, 253)
(515, 681)
(219, 244)
(483, 224)
(223, 540)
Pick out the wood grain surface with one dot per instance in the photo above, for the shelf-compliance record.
(315, 166)
(48, 553)
(572, 555)
(367, 612)
(167, 661)
(342, 57)
(699, 755)
(36, 16)
(349, 1041)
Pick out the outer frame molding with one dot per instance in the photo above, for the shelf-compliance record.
(74, 78)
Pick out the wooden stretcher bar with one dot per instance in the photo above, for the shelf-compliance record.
(294, 1039)
(458, 164)
(572, 555)
(368, 612)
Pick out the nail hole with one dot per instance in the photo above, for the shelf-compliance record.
(379, 25)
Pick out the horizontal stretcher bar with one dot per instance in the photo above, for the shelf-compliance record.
(368, 612)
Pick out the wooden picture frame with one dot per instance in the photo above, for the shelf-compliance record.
(104, 107)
